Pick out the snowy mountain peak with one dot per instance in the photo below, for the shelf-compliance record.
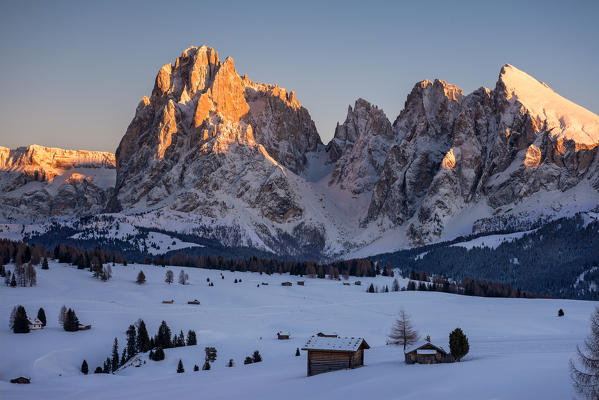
(552, 112)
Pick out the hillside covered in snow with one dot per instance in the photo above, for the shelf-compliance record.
(519, 348)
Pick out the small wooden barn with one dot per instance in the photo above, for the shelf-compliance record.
(283, 335)
(21, 379)
(286, 284)
(333, 353)
(427, 353)
(358, 283)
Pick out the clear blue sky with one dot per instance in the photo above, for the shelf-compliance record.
(72, 73)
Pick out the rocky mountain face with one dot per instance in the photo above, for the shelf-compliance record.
(214, 154)
(496, 146)
(39, 182)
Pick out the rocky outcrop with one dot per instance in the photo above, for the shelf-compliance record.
(497, 147)
(359, 147)
(38, 182)
(211, 142)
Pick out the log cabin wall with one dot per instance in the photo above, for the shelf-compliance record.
(325, 361)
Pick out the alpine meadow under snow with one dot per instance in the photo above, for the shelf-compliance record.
(519, 348)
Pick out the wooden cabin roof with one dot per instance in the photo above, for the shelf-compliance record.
(345, 344)
(422, 348)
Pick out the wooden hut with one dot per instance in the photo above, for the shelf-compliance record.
(301, 283)
(168, 301)
(346, 283)
(35, 324)
(333, 353)
(427, 353)
(358, 283)
(283, 336)
(286, 284)
(194, 301)
(84, 327)
(21, 379)
(264, 283)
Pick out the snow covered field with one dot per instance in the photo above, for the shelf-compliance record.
(519, 348)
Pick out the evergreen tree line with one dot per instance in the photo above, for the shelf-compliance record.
(21, 253)
(546, 262)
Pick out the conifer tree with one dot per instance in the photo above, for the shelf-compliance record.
(20, 322)
(84, 369)
(123, 357)
(231, 363)
(560, 313)
(458, 344)
(71, 323)
(115, 356)
(159, 354)
(196, 368)
(41, 315)
(141, 278)
(181, 339)
(98, 370)
(45, 265)
(107, 363)
(131, 341)
(402, 332)
(191, 338)
(297, 352)
(206, 366)
(180, 368)
(256, 357)
(210, 353)
(143, 339)
(248, 360)
(395, 286)
(13, 281)
(586, 378)
(163, 338)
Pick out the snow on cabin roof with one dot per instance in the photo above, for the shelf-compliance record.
(426, 351)
(422, 347)
(335, 343)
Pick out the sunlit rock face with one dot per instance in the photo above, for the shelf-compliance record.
(209, 141)
(38, 182)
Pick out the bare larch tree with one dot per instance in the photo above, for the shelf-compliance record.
(586, 379)
(403, 332)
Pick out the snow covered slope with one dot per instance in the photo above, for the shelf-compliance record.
(520, 340)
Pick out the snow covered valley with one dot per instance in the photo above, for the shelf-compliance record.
(519, 348)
